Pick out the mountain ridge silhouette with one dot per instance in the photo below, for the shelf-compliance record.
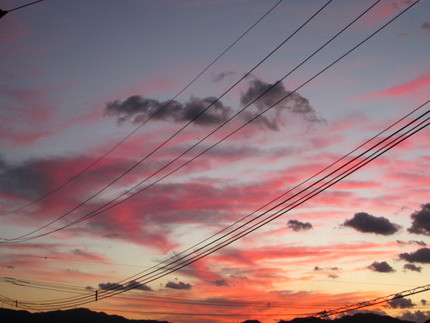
(84, 315)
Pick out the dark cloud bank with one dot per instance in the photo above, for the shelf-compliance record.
(401, 302)
(368, 223)
(421, 221)
(138, 109)
(421, 256)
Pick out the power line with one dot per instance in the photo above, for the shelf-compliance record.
(379, 300)
(81, 301)
(150, 297)
(298, 202)
(358, 162)
(106, 206)
(168, 269)
(4, 12)
(84, 170)
(170, 138)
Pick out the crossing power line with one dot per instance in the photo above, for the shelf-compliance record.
(4, 12)
(169, 139)
(382, 146)
(117, 200)
(162, 108)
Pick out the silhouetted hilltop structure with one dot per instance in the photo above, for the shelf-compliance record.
(80, 315)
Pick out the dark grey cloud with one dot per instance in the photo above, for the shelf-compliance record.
(220, 282)
(110, 286)
(317, 268)
(381, 267)
(416, 316)
(36, 177)
(179, 285)
(296, 225)
(130, 285)
(25, 181)
(421, 256)
(412, 267)
(89, 288)
(220, 76)
(137, 109)
(424, 302)
(368, 223)
(421, 220)
(136, 285)
(401, 303)
(81, 253)
(113, 235)
(411, 242)
(333, 276)
(426, 26)
(293, 103)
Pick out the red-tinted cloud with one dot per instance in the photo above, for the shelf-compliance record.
(407, 88)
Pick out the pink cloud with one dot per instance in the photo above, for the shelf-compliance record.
(384, 11)
(410, 87)
(302, 255)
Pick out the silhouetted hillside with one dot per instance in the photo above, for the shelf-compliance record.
(357, 318)
(80, 315)
(83, 315)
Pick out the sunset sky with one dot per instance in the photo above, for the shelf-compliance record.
(80, 82)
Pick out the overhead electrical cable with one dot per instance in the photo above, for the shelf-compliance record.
(170, 138)
(360, 163)
(392, 144)
(326, 313)
(376, 301)
(357, 163)
(263, 222)
(162, 108)
(4, 12)
(106, 206)
(309, 316)
(150, 297)
(320, 189)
